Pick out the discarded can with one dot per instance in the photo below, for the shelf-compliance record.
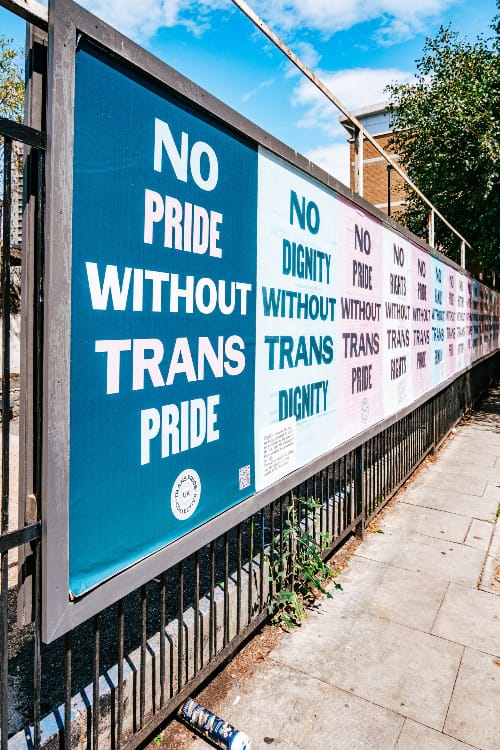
(219, 731)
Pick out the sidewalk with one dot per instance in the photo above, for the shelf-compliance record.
(407, 656)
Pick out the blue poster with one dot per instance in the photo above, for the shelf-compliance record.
(162, 320)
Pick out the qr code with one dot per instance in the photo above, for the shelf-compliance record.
(244, 475)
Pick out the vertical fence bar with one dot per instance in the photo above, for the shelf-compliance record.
(180, 630)
(142, 672)
(211, 623)
(95, 692)
(121, 656)
(37, 646)
(238, 576)
(196, 610)
(250, 570)
(67, 691)
(226, 590)
(359, 488)
(4, 521)
(163, 600)
(262, 558)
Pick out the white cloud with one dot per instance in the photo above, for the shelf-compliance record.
(399, 19)
(308, 55)
(141, 20)
(262, 85)
(334, 159)
(358, 87)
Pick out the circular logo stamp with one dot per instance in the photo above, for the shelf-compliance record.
(365, 410)
(185, 494)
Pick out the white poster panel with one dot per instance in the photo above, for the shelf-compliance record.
(397, 322)
(296, 322)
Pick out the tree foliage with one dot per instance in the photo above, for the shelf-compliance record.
(447, 128)
(11, 82)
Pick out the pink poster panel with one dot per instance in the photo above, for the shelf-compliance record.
(421, 288)
(462, 337)
(469, 305)
(496, 322)
(476, 325)
(450, 349)
(360, 402)
(487, 321)
(397, 322)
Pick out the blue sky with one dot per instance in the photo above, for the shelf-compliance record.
(355, 46)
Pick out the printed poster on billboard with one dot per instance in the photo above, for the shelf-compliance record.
(421, 321)
(296, 389)
(360, 372)
(162, 320)
(397, 346)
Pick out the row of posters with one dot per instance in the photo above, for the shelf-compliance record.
(232, 319)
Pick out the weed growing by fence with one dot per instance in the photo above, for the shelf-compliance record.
(299, 574)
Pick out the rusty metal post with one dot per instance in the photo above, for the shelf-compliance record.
(430, 228)
(358, 161)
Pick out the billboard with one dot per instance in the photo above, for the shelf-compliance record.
(218, 318)
(162, 320)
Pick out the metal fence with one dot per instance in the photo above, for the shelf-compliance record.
(111, 682)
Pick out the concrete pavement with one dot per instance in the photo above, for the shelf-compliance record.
(407, 656)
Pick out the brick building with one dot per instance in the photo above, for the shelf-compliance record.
(382, 186)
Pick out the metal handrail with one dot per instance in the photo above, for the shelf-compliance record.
(280, 44)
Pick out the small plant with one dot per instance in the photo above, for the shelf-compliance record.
(298, 575)
(158, 739)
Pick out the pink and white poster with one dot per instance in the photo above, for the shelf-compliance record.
(421, 321)
(462, 340)
(450, 349)
(397, 344)
(360, 281)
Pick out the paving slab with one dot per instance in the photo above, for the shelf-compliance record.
(479, 534)
(439, 480)
(480, 629)
(474, 714)
(399, 668)
(414, 519)
(452, 501)
(432, 557)
(417, 737)
(291, 711)
(492, 491)
(453, 464)
(463, 444)
(491, 567)
(488, 457)
(402, 596)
